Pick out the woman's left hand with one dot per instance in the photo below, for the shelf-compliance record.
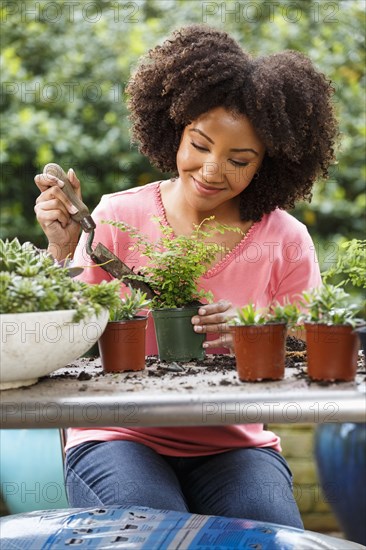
(214, 318)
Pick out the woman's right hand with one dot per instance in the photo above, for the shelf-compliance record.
(53, 210)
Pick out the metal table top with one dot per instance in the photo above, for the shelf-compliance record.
(209, 394)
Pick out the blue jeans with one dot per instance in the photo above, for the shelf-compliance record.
(249, 483)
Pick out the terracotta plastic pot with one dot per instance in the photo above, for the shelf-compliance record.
(122, 345)
(175, 336)
(260, 351)
(332, 352)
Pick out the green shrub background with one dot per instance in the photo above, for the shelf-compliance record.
(65, 65)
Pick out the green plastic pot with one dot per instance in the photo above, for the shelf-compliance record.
(175, 336)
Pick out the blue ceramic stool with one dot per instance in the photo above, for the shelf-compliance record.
(142, 528)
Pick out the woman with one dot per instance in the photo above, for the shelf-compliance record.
(246, 139)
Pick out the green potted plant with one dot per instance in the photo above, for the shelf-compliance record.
(174, 267)
(350, 264)
(47, 317)
(332, 344)
(350, 270)
(259, 337)
(122, 344)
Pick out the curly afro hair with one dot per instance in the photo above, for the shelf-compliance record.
(286, 99)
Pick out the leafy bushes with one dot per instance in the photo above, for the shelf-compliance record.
(65, 66)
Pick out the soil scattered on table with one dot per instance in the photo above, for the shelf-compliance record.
(84, 370)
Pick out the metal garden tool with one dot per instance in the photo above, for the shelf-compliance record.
(100, 255)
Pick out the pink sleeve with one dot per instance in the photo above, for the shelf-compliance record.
(302, 270)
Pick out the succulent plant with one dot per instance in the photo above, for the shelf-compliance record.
(31, 280)
(128, 307)
(329, 304)
(276, 313)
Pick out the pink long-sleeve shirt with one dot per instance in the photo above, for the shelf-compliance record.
(275, 260)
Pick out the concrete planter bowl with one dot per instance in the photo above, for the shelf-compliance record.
(35, 344)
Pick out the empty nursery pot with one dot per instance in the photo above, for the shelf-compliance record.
(332, 352)
(260, 351)
(122, 345)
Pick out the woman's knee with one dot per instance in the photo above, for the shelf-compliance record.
(122, 473)
(247, 483)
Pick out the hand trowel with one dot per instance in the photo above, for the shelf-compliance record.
(100, 255)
